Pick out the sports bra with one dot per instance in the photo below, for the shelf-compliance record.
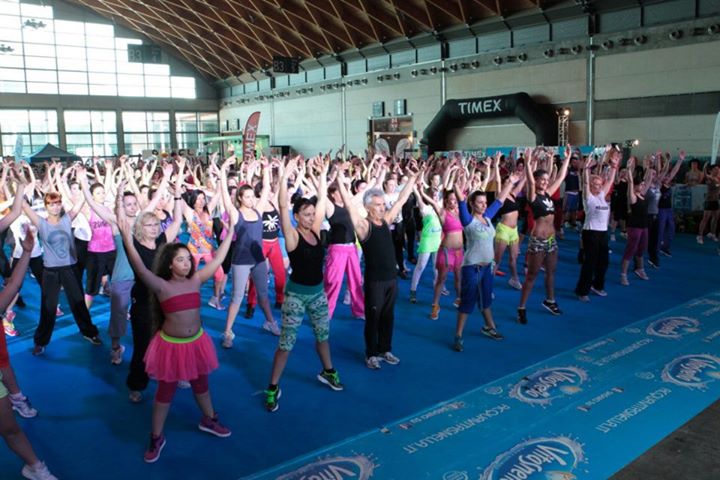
(542, 206)
(451, 224)
(179, 303)
(510, 205)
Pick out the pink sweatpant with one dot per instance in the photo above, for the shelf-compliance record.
(343, 258)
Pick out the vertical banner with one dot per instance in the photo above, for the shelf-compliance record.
(716, 141)
(249, 136)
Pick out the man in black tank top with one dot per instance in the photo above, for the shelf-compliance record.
(380, 268)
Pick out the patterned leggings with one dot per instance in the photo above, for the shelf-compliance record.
(298, 300)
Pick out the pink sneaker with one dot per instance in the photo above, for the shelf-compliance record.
(58, 312)
(152, 454)
(213, 426)
(9, 328)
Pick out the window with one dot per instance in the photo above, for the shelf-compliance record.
(91, 132)
(37, 42)
(33, 128)
(192, 127)
(146, 131)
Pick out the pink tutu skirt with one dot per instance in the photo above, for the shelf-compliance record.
(173, 359)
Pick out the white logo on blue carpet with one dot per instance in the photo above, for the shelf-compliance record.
(692, 371)
(673, 327)
(549, 458)
(543, 386)
(358, 467)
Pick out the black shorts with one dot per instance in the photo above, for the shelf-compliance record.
(98, 265)
(712, 205)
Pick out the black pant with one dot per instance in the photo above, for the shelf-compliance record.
(36, 267)
(52, 279)
(81, 252)
(410, 233)
(4, 263)
(398, 238)
(379, 315)
(141, 321)
(654, 226)
(595, 262)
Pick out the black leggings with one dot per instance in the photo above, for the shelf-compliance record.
(140, 319)
(379, 315)
(595, 262)
(398, 238)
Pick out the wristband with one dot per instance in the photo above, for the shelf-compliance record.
(178, 198)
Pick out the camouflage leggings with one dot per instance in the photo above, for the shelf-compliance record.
(298, 300)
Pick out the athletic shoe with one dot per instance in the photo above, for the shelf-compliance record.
(38, 472)
(492, 333)
(23, 407)
(332, 380)
(624, 280)
(9, 328)
(515, 283)
(583, 298)
(271, 327)
(522, 316)
(699, 239)
(38, 350)
(228, 339)
(116, 355)
(213, 426)
(458, 345)
(500, 273)
(59, 312)
(271, 399)
(712, 237)
(666, 253)
(456, 302)
(9, 316)
(551, 307)
(641, 274)
(94, 340)
(135, 396)
(249, 311)
(445, 292)
(413, 296)
(613, 238)
(435, 312)
(152, 454)
(215, 303)
(373, 363)
(346, 298)
(654, 264)
(184, 384)
(599, 293)
(389, 358)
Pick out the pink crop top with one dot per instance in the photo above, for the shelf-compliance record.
(178, 303)
(451, 224)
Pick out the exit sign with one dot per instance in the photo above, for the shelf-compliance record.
(144, 54)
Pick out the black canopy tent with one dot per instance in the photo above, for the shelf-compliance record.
(49, 153)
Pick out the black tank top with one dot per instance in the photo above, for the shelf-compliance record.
(509, 205)
(665, 197)
(341, 227)
(638, 214)
(271, 224)
(307, 262)
(379, 253)
(542, 206)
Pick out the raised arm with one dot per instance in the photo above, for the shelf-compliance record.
(530, 164)
(631, 180)
(172, 230)
(361, 225)
(167, 173)
(102, 211)
(289, 232)
(402, 198)
(229, 206)
(562, 172)
(17, 207)
(13, 284)
(262, 202)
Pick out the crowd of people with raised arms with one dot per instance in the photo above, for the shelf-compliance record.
(116, 226)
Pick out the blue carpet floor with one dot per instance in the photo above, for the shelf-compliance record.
(87, 428)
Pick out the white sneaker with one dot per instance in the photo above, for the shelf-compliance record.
(600, 293)
(271, 327)
(624, 280)
(346, 299)
(38, 472)
(699, 239)
(613, 238)
(22, 407)
(215, 303)
(228, 339)
(184, 384)
(116, 355)
(514, 283)
(373, 363)
(135, 396)
(389, 358)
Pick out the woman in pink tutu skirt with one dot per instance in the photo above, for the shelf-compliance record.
(180, 348)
